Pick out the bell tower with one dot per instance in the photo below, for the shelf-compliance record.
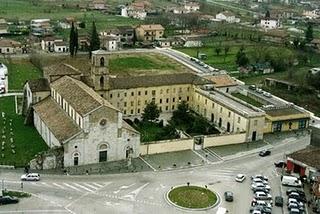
(100, 70)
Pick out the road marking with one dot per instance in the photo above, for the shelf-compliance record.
(91, 186)
(132, 195)
(147, 163)
(126, 187)
(58, 185)
(83, 187)
(72, 187)
(98, 185)
(34, 211)
(45, 184)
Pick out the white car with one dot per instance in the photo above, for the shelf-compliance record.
(260, 176)
(262, 196)
(267, 94)
(30, 177)
(259, 180)
(258, 185)
(262, 203)
(240, 178)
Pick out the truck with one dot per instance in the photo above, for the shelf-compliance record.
(290, 181)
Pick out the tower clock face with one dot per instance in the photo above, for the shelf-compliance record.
(103, 122)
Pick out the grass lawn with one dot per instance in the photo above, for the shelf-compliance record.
(131, 64)
(17, 194)
(247, 99)
(26, 140)
(192, 197)
(19, 71)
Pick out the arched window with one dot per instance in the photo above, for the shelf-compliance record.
(76, 159)
(101, 82)
(103, 153)
(102, 61)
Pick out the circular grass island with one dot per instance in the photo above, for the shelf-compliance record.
(192, 197)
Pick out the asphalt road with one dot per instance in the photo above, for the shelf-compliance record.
(144, 192)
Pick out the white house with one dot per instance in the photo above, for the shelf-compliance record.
(60, 47)
(192, 42)
(8, 46)
(192, 6)
(88, 127)
(270, 23)
(110, 43)
(124, 12)
(47, 43)
(227, 17)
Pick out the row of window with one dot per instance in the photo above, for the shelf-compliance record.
(67, 108)
(139, 111)
(153, 92)
(153, 99)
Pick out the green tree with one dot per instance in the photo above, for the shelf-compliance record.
(226, 51)
(268, 14)
(182, 114)
(76, 42)
(217, 49)
(94, 39)
(150, 112)
(71, 40)
(309, 33)
(241, 58)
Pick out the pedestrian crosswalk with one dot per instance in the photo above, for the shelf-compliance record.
(82, 187)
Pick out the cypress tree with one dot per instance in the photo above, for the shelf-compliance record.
(76, 42)
(94, 39)
(71, 40)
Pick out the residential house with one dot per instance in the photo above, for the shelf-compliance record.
(136, 10)
(3, 26)
(313, 14)
(67, 23)
(124, 33)
(84, 43)
(170, 42)
(276, 36)
(60, 47)
(180, 10)
(8, 46)
(192, 6)
(149, 33)
(41, 27)
(268, 23)
(227, 17)
(88, 128)
(110, 43)
(192, 41)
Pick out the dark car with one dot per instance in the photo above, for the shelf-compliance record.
(8, 200)
(298, 197)
(264, 153)
(278, 201)
(228, 196)
(280, 164)
(300, 192)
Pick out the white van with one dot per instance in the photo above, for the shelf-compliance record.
(222, 210)
(290, 181)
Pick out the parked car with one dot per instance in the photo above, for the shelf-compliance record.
(264, 153)
(260, 176)
(293, 200)
(296, 206)
(262, 196)
(259, 90)
(228, 196)
(256, 212)
(8, 200)
(240, 178)
(259, 185)
(290, 181)
(261, 209)
(261, 189)
(278, 201)
(258, 180)
(261, 203)
(252, 87)
(206, 66)
(30, 177)
(300, 192)
(294, 211)
(280, 164)
(267, 94)
(298, 197)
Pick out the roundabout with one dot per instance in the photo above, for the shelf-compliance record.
(192, 197)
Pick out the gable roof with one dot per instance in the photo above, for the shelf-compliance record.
(80, 96)
(56, 119)
(227, 13)
(309, 156)
(61, 69)
(152, 27)
(222, 80)
(37, 85)
(156, 80)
